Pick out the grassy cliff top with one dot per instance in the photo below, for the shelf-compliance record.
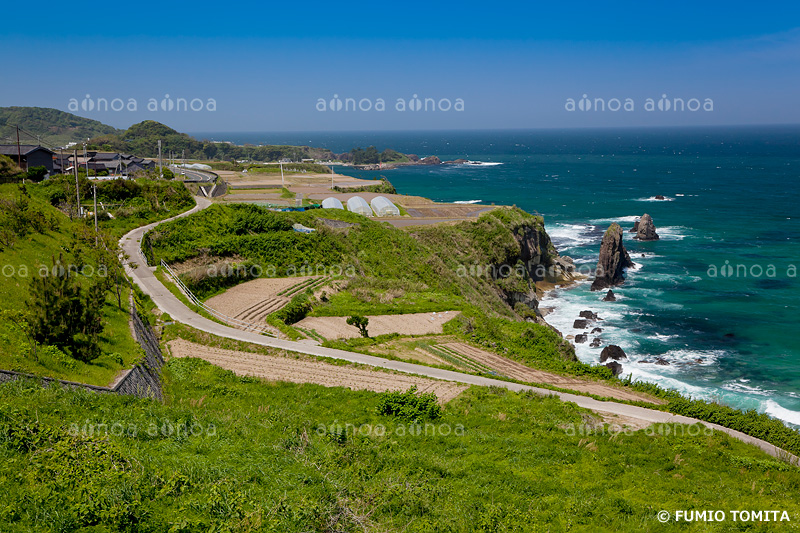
(228, 453)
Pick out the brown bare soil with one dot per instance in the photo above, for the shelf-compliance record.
(335, 327)
(277, 368)
(518, 371)
(253, 300)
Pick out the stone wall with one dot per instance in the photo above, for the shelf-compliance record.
(143, 380)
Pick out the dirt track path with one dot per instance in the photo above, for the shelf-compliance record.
(304, 371)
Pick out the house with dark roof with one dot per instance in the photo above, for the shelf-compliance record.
(31, 155)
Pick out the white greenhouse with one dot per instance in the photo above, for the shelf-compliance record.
(332, 203)
(384, 208)
(358, 205)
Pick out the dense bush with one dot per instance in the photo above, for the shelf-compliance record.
(752, 423)
(36, 174)
(409, 405)
(382, 187)
(296, 310)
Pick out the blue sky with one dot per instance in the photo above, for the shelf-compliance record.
(267, 66)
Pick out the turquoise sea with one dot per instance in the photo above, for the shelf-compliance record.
(717, 296)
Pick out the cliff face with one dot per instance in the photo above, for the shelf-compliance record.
(613, 260)
(535, 259)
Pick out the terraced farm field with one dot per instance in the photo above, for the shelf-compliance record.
(335, 327)
(254, 300)
(278, 368)
(475, 359)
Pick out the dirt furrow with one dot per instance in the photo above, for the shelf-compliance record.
(278, 368)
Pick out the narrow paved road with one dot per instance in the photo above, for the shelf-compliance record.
(144, 277)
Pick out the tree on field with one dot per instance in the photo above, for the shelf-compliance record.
(361, 322)
(66, 313)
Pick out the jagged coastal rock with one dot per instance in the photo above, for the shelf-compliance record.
(616, 368)
(614, 353)
(645, 229)
(609, 297)
(532, 251)
(613, 260)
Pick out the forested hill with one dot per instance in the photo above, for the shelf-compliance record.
(54, 127)
(142, 139)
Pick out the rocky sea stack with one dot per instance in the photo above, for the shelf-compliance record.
(645, 229)
(614, 259)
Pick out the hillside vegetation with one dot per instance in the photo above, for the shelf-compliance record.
(64, 299)
(142, 140)
(41, 245)
(227, 453)
(56, 128)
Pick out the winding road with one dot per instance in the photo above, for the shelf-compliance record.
(145, 278)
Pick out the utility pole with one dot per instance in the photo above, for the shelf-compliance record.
(19, 151)
(94, 190)
(77, 187)
(86, 161)
(282, 184)
(331, 177)
(160, 166)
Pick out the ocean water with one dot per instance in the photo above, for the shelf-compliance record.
(716, 297)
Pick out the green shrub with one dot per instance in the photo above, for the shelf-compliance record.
(361, 322)
(296, 310)
(409, 406)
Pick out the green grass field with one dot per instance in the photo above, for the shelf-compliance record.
(233, 454)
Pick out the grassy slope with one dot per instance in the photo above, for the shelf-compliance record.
(267, 465)
(119, 349)
(418, 275)
(55, 127)
(30, 253)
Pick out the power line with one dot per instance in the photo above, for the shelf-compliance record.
(31, 135)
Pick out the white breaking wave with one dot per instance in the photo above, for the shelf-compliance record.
(659, 337)
(619, 220)
(672, 233)
(654, 199)
(467, 201)
(773, 409)
(481, 164)
(740, 386)
(570, 235)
